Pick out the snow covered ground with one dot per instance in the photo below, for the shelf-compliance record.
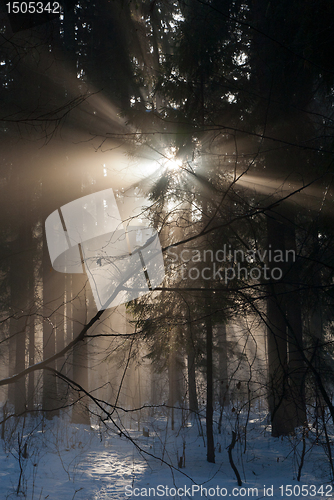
(61, 461)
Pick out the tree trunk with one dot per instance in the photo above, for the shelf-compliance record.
(222, 362)
(31, 376)
(209, 389)
(174, 372)
(296, 365)
(282, 420)
(60, 319)
(191, 368)
(50, 397)
(20, 388)
(80, 411)
(21, 285)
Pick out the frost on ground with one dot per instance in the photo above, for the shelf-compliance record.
(57, 460)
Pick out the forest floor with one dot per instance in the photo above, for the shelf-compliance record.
(57, 460)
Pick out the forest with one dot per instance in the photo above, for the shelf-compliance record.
(166, 261)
